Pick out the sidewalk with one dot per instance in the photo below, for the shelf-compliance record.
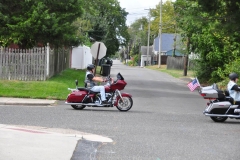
(19, 143)
(30, 142)
(25, 101)
(26, 144)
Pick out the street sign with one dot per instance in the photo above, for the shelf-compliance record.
(98, 50)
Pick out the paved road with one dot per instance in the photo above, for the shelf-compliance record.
(165, 123)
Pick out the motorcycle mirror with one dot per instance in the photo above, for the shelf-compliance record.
(76, 82)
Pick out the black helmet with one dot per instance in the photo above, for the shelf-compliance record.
(233, 76)
(90, 67)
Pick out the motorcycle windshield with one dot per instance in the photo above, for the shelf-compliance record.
(119, 76)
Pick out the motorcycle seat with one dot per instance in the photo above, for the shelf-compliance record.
(83, 89)
(226, 92)
(86, 89)
(230, 99)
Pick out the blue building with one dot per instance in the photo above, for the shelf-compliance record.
(167, 47)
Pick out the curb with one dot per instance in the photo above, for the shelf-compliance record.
(26, 101)
(57, 132)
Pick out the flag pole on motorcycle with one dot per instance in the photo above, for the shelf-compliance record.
(193, 84)
(98, 51)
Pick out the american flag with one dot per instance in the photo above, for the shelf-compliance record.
(193, 84)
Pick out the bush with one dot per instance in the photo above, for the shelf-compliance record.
(130, 63)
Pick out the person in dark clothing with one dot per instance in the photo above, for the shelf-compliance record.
(90, 80)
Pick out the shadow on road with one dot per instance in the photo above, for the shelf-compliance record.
(106, 110)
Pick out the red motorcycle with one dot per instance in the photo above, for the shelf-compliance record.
(80, 98)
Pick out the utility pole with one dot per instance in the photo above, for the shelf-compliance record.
(128, 52)
(139, 60)
(148, 35)
(186, 57)
(160, 35)
(125, 56)
(175, 41)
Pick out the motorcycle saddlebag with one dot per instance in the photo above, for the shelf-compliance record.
(76, 96)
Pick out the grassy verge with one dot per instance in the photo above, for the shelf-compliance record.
(57, 86)
(54, 88)
(174, 73)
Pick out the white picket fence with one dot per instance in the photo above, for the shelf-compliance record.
(36, 64)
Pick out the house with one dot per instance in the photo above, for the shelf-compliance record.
(151, 56)
(167, 46)
(147, 55)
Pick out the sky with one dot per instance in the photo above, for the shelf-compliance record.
(137, 8)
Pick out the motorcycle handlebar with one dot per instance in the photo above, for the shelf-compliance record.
(70, 89)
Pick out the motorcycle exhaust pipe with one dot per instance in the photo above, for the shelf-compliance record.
(74, 103)
(222, 115)
(85, 104)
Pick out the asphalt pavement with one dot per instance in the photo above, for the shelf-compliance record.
(23, 143)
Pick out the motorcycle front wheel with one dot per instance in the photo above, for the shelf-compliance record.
(125, 104)
(78, 107)
(219, 119)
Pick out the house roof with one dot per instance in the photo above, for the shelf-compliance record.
(167, 42)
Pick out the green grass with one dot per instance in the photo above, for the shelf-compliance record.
(54, 88)
(172, 72)
(57, 86)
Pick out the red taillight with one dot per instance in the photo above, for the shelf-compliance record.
(208, 103)
(203, 94)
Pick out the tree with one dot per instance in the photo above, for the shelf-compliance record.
(213, 29)
(168, 18)
(185, 15)
(107, 23)
(138, 30)
(28, 22)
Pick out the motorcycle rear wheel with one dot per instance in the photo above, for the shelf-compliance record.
(124, 105)
(78, 107)
(219, 119)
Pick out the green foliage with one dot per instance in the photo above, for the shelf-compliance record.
(130, 63)
(138, 30)
(229, 68)
(134, 61)
(106, 22)
(28, 22)
(168, 18)
(213, 30)
(134, 50)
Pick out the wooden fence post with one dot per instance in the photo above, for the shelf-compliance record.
(47, 60)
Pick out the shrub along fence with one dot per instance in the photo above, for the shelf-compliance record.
(36, 64)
